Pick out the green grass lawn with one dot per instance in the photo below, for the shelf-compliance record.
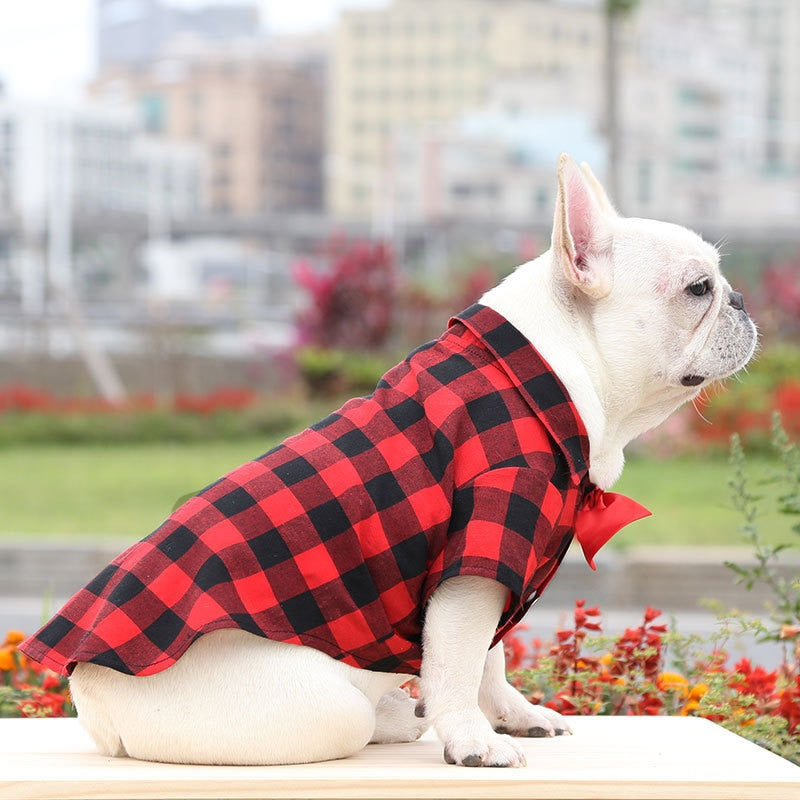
(125, 491)
(692, 503)
(119, 491)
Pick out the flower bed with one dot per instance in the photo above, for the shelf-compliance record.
(32, 416)
(649, 671)
(20, 398)
(27, 690)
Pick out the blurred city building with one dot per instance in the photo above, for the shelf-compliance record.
(213, 155)
(428, 111)
(97, 172)
(256, 111)
(710, 114)
(709, 107)
(421, 63)
(135, 33)
(494, 164)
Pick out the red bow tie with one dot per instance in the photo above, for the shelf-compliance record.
(601, 516)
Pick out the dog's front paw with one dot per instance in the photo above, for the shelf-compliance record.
(509, 712)
(471, 742)
(533, 721)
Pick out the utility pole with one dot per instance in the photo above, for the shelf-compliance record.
(59, 258)
(615, 11)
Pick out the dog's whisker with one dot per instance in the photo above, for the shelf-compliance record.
(699, 412)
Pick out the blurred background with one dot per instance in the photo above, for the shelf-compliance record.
(217, 218)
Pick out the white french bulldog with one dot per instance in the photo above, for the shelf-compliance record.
(635, 318)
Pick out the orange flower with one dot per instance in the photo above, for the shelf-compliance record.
(673, 682)
(745, 717)
(15, 637)
(699, 691)
(696, 694)
(688, 708)
(7, 659)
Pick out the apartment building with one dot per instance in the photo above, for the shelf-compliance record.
(493, 164)
(711, 113)
(256, 112)
(112, 165)
(770, 28)
(66, 171)
(709, 107)
(422, 62)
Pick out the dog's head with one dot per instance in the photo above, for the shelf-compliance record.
(651, 294)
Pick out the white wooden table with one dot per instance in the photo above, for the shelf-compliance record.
(623, 758)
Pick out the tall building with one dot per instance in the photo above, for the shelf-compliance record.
(492, 165)
(709, 105)
(770, 30)
(711, 113)
(113, 165)
(94, 175)
(257, 113)
(418, 62)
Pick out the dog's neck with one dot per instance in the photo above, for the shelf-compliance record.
(613, 415)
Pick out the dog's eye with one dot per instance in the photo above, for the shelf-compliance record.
(699, 288)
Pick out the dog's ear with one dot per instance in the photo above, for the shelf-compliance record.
(581, 231)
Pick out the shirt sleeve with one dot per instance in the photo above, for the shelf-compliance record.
(503, 528)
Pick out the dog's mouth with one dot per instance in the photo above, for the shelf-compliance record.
(692, 380)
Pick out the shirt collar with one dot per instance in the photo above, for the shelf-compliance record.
(536, 381)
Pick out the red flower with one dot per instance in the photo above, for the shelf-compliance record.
(516, 651)
(755, 681)
(789, 705)
(651, 613)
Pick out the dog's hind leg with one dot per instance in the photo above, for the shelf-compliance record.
(396, 719)
(93, 715)
(235, 698)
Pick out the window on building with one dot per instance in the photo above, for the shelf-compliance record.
(699, 131)
(153, 110)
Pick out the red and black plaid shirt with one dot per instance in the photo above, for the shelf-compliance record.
(468, 459)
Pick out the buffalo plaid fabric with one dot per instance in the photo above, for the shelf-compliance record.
(468, 459)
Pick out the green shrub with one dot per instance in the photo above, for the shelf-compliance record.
(329, 372)
(160, 425)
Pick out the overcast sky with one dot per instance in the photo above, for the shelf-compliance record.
(47, 46)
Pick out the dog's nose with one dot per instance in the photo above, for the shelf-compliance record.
(737, 301)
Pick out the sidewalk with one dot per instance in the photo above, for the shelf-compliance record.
(36, 578)
(670, 578)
